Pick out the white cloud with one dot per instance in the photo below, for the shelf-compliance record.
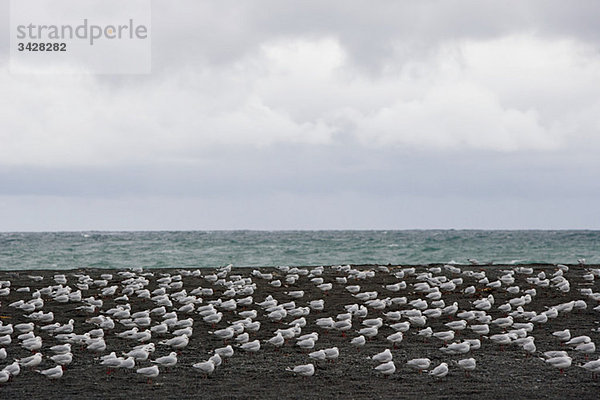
(507, 94)
(455, 116)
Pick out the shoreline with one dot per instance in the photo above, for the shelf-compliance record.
(275, 267)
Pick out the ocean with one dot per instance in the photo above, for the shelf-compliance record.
(197, 249)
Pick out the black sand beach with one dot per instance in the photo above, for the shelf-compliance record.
(501, 373)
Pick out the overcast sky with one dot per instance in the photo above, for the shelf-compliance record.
(318, 115)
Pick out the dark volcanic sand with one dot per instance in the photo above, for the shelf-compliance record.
(499, 374)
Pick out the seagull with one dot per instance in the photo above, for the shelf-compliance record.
(369, 332)
(325, 323)
(179, 342)
(467, 364)
(216, 359)
(61, 348)
(139, 354)
(332, 353)
(451, 309)
(470, 290)
(306, 343)
(353, 289)
(502, 338)
(13, 369)
(358, 341)
(578, 340)
(483, 329)
(373, 323)
(160, 329)
(149, 372)
(560, 362)
(226, 351)
(344, 316)
(387, 368)
(376, 304)
(167, 361)
(383, 357)
(62, 359)
(419, 363)
(53, 373)
(213, 318)
(395, 338)
(529, 345)
(440, 371)
(540, 319)
(113, 362)
(24, 328)
(528, 327)
(303, 370)
(277, 340)
(314, 336)
(586, 348)
(32, 344)
(128, 363)
(343, 325)
(445, 335)
(593, 366)
(253, 346)
(457, 348)
(426, 333)
(51, 327)
(503, 322)
(317, 305)
(96, 345)
(325, 287)
(318, 355)
(207, 367)
(401, 326)
(6, 329)
(555, 353)
(31, 361)
(242, 338)
(277, 315)
(457, 325)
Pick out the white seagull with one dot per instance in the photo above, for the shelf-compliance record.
(387, 368)
(303, 370)
(383, 357)
(440, 371)
(53, 373)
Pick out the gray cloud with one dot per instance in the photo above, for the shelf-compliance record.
(324, 172)
(200, 32)
(296, 211)
(222, 32)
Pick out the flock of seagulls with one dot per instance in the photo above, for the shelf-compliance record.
(150, 313)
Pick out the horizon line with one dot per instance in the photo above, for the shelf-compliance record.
(306, 230)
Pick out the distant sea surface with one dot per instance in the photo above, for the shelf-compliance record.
(197, 249)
